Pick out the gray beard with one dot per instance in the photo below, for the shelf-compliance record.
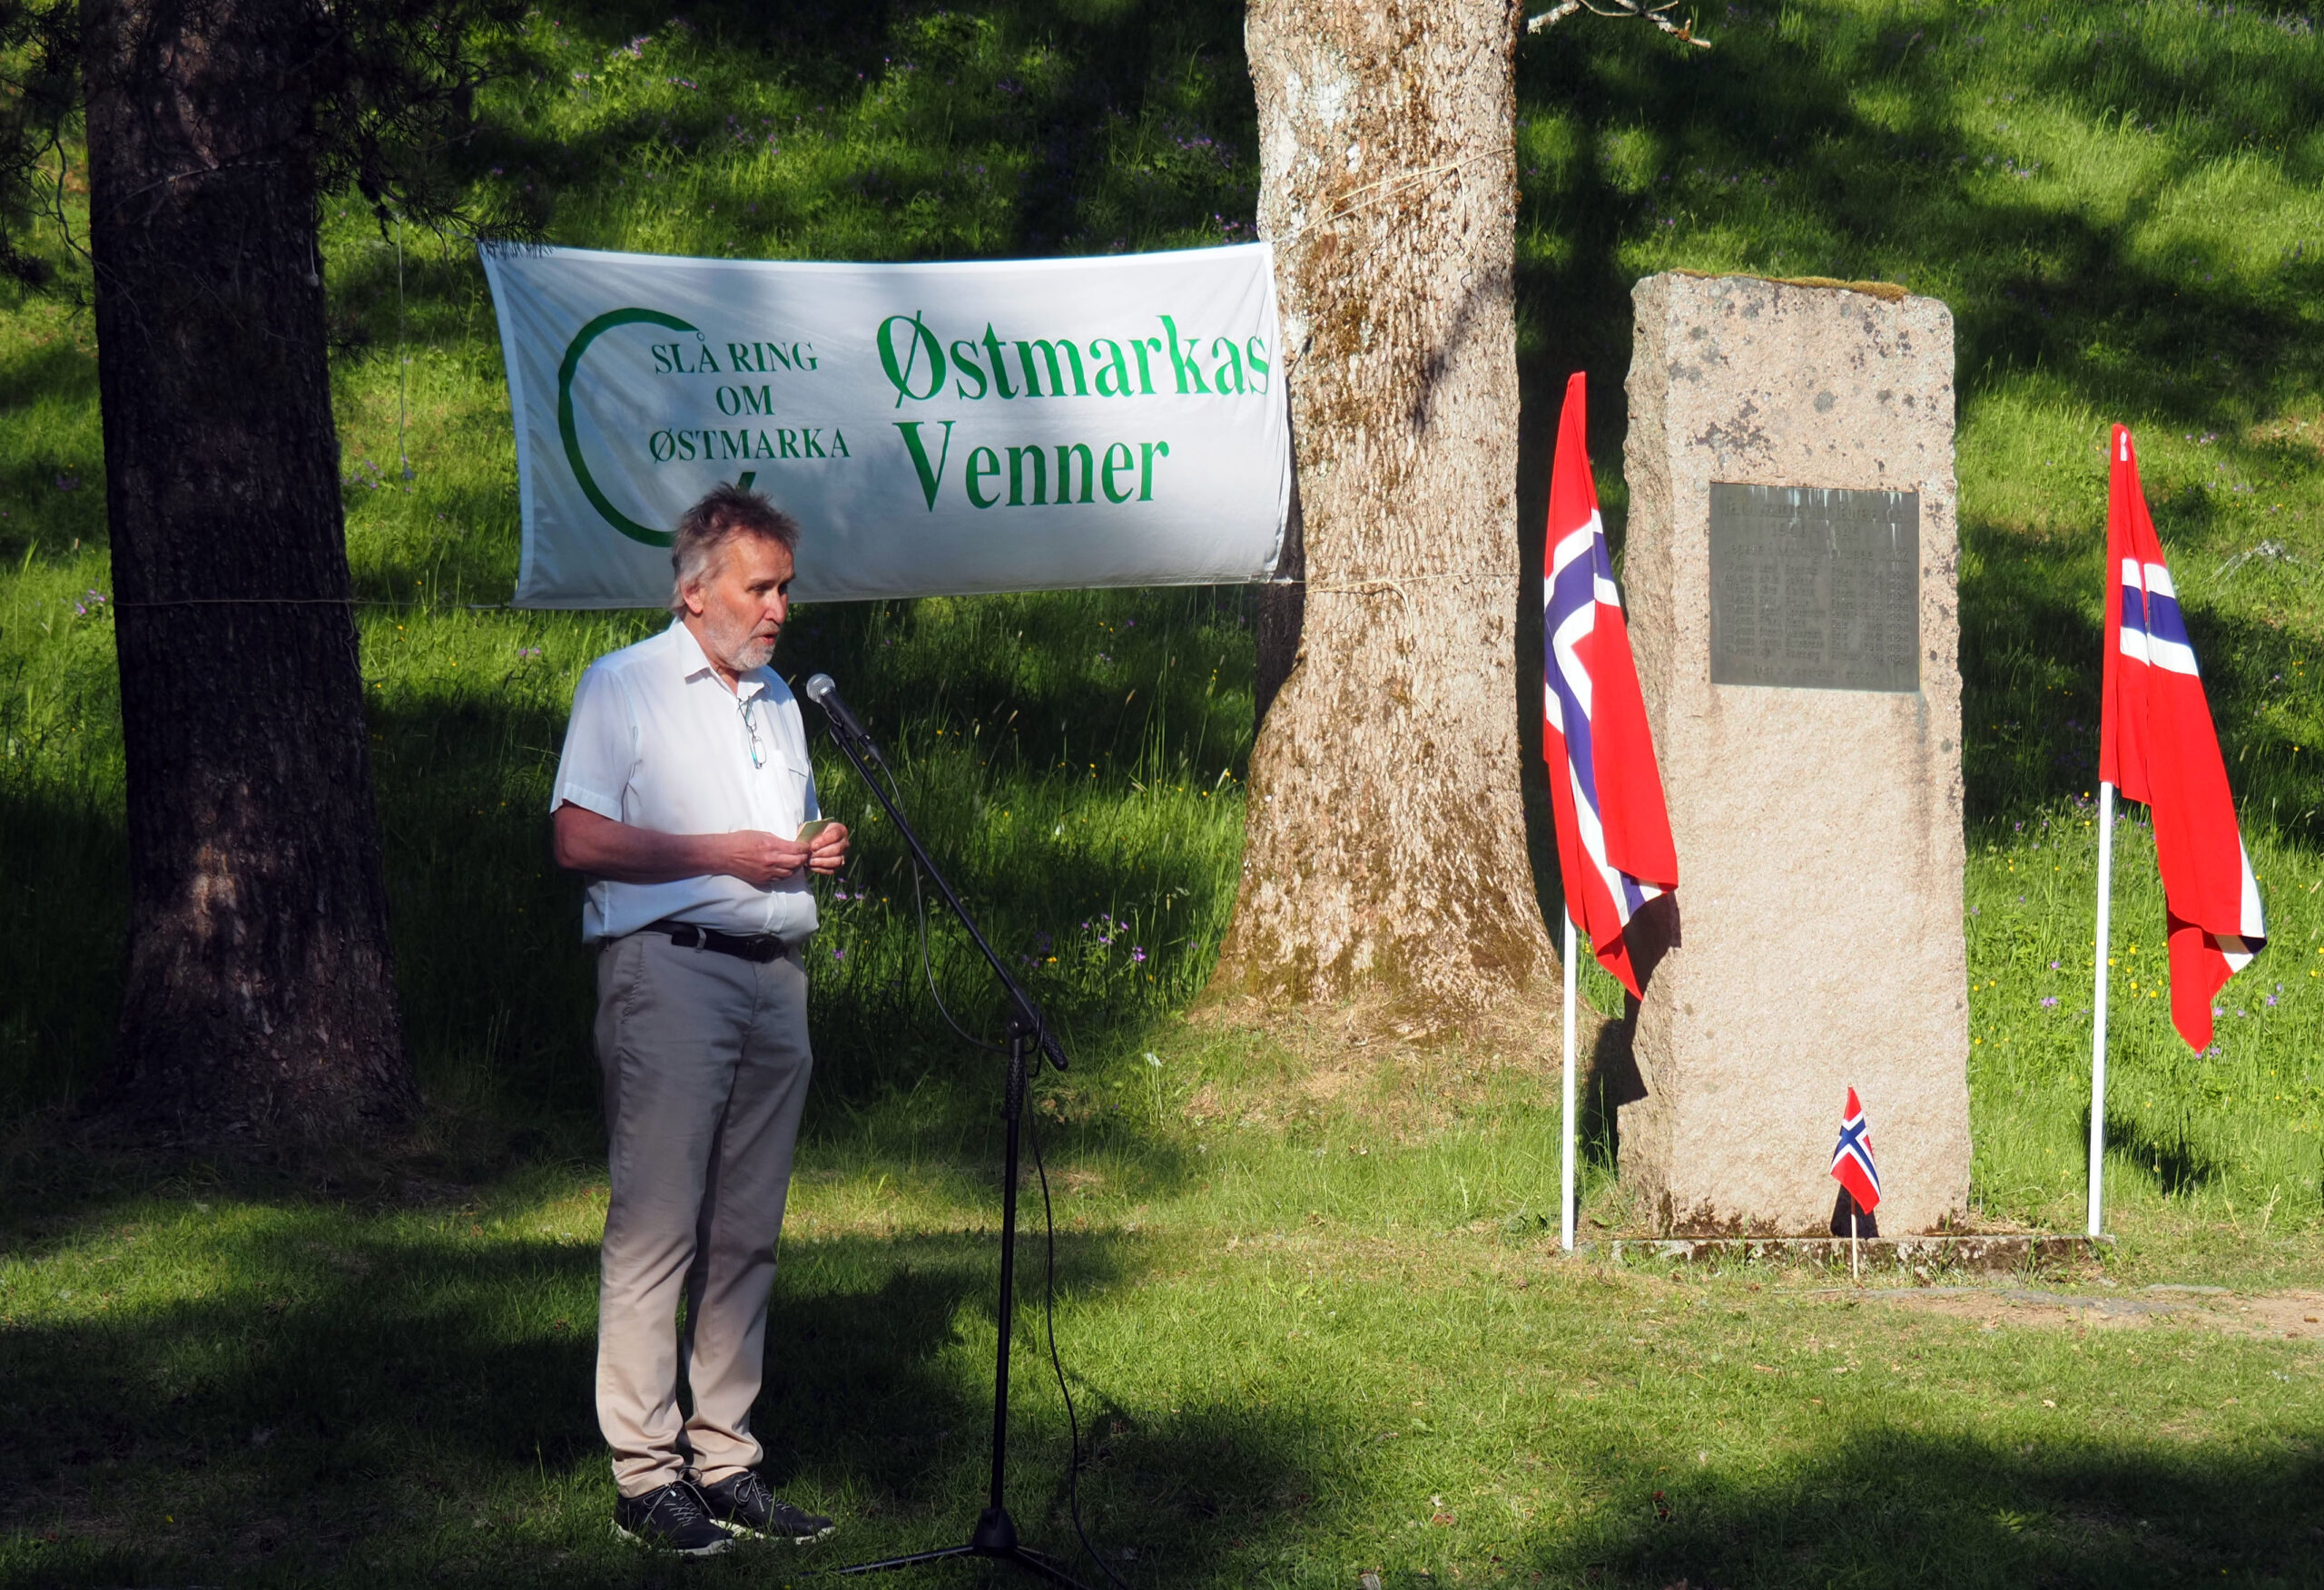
(735, 646)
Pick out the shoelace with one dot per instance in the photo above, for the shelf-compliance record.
(680, 1504)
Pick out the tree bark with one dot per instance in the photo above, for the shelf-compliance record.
(1385, 844)
(260, 997)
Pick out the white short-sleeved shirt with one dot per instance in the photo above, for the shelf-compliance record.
(658, 742)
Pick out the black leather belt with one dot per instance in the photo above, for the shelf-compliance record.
(760, 948)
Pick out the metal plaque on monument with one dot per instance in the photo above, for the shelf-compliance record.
(1789, 574)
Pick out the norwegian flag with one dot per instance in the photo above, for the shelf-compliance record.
(2156, 744)
(1614, 848)
(1852, 1165)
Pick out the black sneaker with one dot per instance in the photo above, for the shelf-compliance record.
(671, 1519)
(743, 1503)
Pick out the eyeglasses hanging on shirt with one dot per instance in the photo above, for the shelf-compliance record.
(750, 726)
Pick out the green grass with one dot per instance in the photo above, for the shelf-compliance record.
(1307, 1286)
(1299, 1363)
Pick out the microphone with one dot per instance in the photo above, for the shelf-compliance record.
(825, 694)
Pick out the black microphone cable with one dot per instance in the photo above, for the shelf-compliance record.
(1049, 1224)
(1057, 1365)
(1040, 1170)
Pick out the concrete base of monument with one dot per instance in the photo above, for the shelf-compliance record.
(1920, 1258)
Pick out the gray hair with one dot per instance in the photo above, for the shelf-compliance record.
(705, 529)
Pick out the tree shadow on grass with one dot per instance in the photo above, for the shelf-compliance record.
(2030, 644)
(327, 1399)
(1896, 1507)
(1076, 83)
(63, 912)
(1768, 156)
(1856, 193)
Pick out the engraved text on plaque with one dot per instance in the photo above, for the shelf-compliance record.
(1815, 588)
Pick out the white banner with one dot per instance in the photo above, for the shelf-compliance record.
(936, 429)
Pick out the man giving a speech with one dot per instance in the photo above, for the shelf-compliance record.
(685, 793)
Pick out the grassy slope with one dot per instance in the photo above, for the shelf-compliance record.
(2119, 204)
(1308, 1304)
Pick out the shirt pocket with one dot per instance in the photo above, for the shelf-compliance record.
(793, 792)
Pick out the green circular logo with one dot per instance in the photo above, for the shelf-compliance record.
(565, 428)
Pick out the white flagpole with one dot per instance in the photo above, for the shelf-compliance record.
(2104, 943)
(1565, 1118)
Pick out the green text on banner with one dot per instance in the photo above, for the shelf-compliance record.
(937, 429)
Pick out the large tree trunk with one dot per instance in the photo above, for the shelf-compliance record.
(1386, 842)
(260, 998)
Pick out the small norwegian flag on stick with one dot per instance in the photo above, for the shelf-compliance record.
(1852, 1165)
(1852, 1169)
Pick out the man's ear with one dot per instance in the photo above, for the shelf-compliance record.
(691, 594)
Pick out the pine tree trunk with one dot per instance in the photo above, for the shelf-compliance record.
(1385, 851)
(260, 998)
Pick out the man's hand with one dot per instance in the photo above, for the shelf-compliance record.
(588, 841)
(827, 851)
(759, 859)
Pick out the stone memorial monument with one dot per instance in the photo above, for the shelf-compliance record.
(1789, 575)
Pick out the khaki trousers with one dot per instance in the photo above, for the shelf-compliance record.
(706, 1064)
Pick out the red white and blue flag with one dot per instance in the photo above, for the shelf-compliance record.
(1614, 847)
(2156, 744)
(1852, 1165)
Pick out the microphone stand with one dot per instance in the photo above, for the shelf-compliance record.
(995, 1535)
